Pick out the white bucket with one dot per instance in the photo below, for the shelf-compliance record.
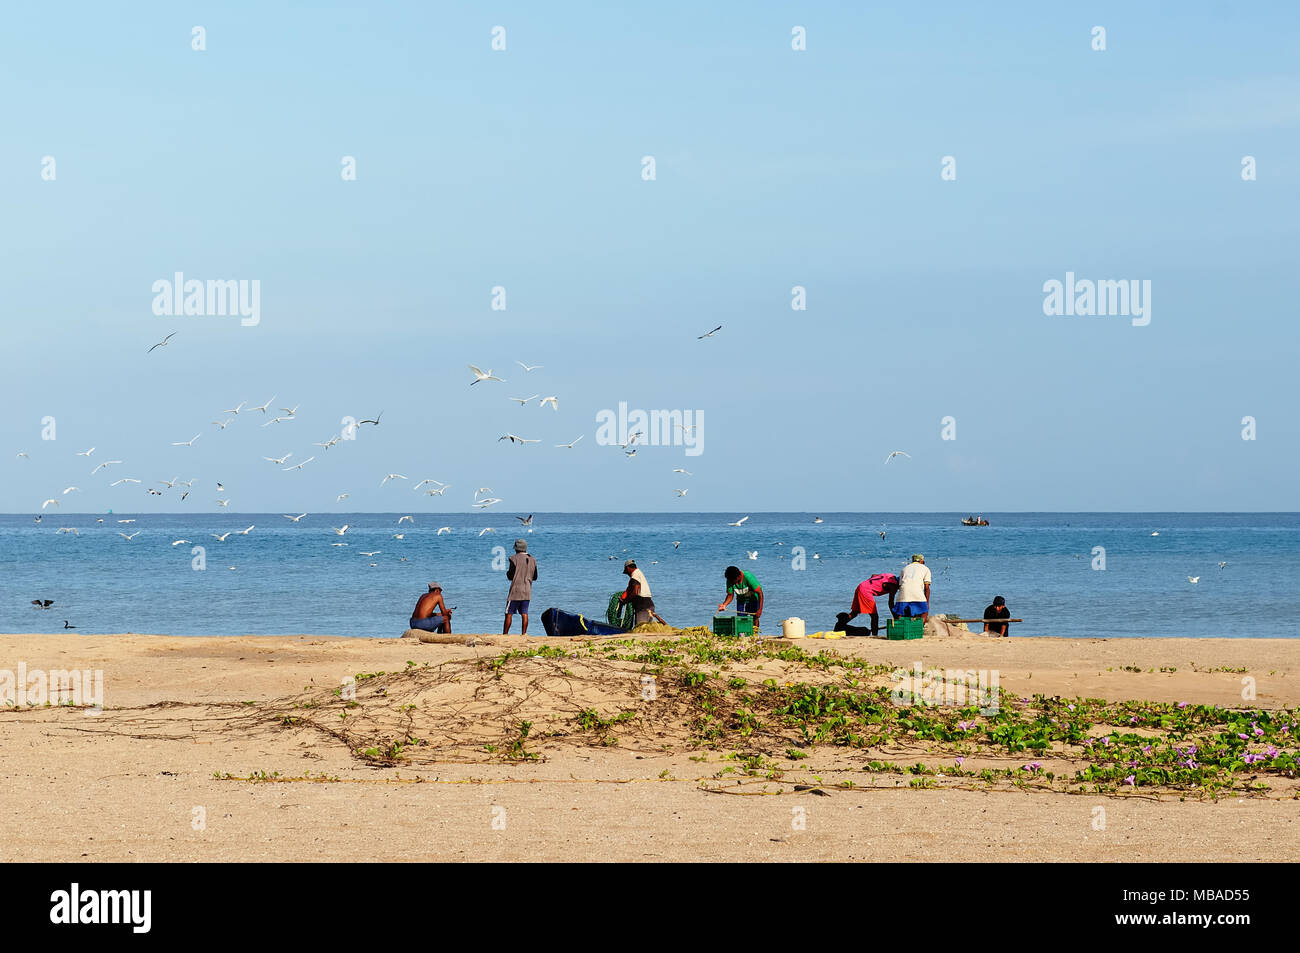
(792, 628)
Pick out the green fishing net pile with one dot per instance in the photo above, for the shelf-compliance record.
(620, 613)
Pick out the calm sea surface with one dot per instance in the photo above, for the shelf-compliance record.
(289, 578)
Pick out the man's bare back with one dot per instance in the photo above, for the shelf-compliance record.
(427, 603)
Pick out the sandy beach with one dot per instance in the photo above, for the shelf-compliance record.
(172, 768)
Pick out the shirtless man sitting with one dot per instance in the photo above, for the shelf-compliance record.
(431, 613)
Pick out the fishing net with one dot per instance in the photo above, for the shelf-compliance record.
(620, 613)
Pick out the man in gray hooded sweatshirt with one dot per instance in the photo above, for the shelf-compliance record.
(521, 571)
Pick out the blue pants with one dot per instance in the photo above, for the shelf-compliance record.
(431, 624)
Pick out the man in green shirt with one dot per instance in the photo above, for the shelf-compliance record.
(746, 591)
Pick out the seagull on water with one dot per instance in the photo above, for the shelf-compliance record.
(1193, 579)
(752, 553)
(69, 529)
(479, 376)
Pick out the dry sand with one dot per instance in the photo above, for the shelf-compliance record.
(128, 784)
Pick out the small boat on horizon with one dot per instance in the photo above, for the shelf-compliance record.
(974, 521)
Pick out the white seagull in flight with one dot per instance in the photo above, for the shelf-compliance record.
(739, 521)
(187, 443)
(569, 446)
(710, 334)
(553, 401)
(293, 519)
(162, 343)
(898, 453)
(391, 476)
(527, 368)
(278, 461)
(479, 376)
(297, 466)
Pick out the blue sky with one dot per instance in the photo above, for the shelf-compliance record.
(775, 168)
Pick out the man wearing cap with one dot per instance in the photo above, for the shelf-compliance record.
(521, 571)
(638, 594)
(913, 597)
(431, 613)
(998, 610)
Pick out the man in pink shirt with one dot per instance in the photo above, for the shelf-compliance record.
(864, 597)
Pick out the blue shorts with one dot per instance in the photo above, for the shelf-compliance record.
(747, 604)
(517, 605)
(431, 624)
(911, 608)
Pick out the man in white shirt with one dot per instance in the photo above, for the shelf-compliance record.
(913, 597)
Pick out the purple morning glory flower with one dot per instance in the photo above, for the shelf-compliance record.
(1131, 779)
(1182, 704)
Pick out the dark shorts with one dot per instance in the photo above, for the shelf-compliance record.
(747, 604)
(431, 624)
(517, 605)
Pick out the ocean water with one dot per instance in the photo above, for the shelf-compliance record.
(289, 578)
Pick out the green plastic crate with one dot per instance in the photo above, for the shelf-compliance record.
(733, 625)
(905, 627)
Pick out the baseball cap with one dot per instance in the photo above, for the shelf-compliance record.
(917, 558)
(433, 586)
(630, 564)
